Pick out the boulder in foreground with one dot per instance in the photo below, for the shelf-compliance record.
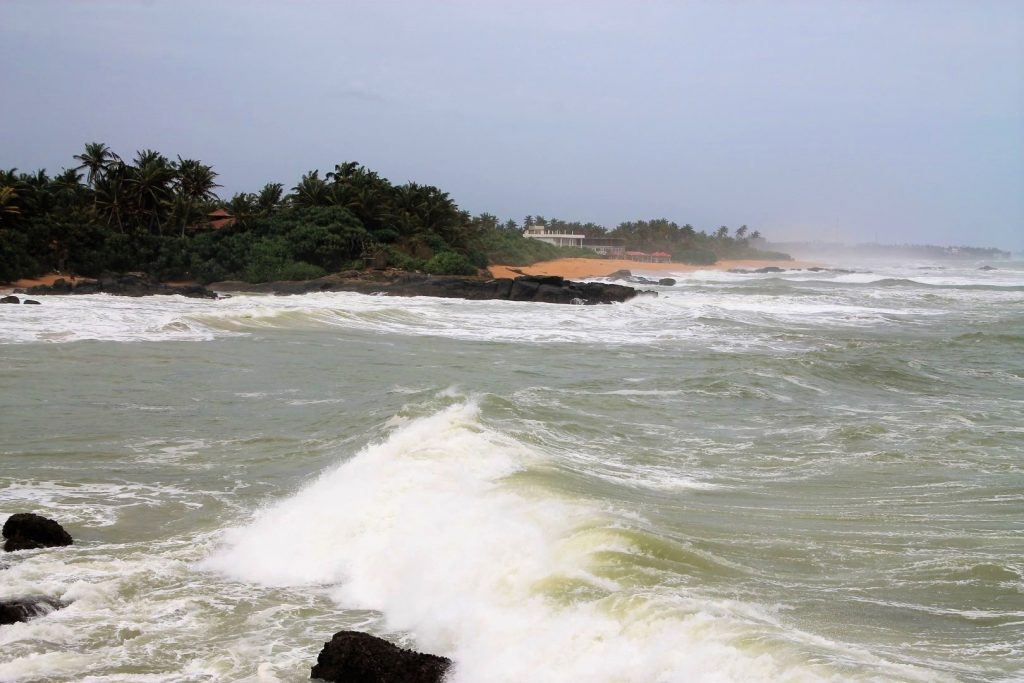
(14, 611)
(355, 657)
(27, 531)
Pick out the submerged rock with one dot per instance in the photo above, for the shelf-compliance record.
(667, 282)
(11, 299)
(14, 611)
(27, 531)
(356, 657)
(30, 301)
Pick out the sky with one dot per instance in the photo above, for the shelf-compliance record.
(851, 121)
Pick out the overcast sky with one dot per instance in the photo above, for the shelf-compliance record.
(856, 121)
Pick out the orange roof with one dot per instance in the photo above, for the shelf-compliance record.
(219, 213)
(660, 253)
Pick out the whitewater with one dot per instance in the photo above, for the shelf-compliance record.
(796, 476)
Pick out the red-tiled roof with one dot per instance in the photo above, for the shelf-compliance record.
(219, 213)
(636, 253)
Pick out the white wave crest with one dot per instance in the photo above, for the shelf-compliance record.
(434, 528)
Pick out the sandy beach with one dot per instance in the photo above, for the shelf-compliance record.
(577, 268)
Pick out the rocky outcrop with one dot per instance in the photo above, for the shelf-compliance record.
(10, 300)
(14, 611)
(550, 289)
(355, 657)
(27, 531)
(124, 284)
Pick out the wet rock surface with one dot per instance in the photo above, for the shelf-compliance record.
(123, 284)
(23, 609)
(356, 657)
(28, 531)
(548, 289)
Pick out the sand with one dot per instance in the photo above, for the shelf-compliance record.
(577, 268)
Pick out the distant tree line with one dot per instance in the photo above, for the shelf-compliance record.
(150, 213)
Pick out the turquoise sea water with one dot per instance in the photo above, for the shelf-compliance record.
(797, 476)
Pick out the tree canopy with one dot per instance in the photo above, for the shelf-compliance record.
(156, 214)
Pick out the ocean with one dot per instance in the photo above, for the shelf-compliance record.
(791, 476)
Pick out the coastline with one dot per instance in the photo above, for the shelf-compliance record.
(568, 268)
(576, 268)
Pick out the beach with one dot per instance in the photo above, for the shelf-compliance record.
(582, 268)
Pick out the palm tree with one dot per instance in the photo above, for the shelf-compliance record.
(268, 199)
(312, 190)
(194, 182)
(96, 158)
(149, 186)
(109, 198)
(8, 203)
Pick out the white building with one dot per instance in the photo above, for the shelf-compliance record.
(559, 239)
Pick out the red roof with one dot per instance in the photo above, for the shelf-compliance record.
(660, 253)
(636, 253)
(219, 213)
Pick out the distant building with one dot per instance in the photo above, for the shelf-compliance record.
(606, 246)
(220, 219)
(609, 247)
(559, 239)
(660, 257)
(639, 256)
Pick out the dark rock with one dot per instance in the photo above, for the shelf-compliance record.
(620, 275)
(355, 657)
(988, 268)
(11, 299)
(27, 531)
(667, 282)
(123, 284)
(550, 289)
(770, 269)
(14, 611)
(30, 301)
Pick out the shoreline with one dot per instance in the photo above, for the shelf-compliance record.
(576, 268)
(568, 268)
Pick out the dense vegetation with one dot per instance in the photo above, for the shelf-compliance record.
(150, 214)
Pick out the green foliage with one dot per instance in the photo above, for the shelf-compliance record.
(149, 214)
(697, 256)
(397, 258)
(449, 263)
(509, 247)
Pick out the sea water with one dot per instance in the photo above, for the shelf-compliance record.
(793, 476)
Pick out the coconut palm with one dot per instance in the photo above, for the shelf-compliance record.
(149, 185)
(96, 158)
(194, 182)
(8, 203)
(312, 190)
(269, 198)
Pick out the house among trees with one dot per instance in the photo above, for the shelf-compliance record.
(609, 247)
(555, 237)
(220, 219)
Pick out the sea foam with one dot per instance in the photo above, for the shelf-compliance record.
(430, 528)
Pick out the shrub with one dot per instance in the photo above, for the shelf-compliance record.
(449, 263)
(300, 270)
